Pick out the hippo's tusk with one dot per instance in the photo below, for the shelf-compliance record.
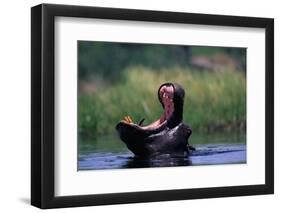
(141, 121)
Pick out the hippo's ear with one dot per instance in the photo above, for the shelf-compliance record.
(190, 147)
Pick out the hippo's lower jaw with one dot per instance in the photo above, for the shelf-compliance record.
(162, 140)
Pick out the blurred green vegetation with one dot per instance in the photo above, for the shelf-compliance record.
(214, 100)
(99, 60)
(119, 79)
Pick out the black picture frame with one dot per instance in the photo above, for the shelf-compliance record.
(43, 102)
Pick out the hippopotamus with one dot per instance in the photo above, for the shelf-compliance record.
(167, 135)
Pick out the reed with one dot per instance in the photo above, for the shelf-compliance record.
(213, 101)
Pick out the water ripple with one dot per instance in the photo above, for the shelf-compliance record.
(204, 155)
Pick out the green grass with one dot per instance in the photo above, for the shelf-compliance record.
(213, 99)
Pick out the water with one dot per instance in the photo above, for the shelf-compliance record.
(212, 149)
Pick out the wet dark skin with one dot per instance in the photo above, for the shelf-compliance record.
(167, 135)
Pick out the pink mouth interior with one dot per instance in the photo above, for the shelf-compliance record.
(166, 94)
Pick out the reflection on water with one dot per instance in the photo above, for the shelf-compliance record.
(110, 153)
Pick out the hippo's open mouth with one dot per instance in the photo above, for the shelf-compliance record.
(166, 95)
(168, 134)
